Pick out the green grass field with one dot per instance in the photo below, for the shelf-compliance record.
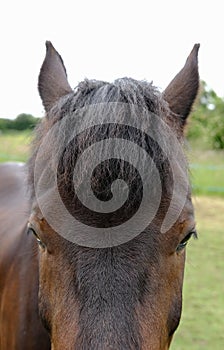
(202, 322)
(207, 171)
(14, 146)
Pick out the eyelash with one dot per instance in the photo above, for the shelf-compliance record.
(186, 239)
(31, 230)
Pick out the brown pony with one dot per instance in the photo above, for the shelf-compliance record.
(63, 285)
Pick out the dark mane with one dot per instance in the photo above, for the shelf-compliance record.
(126, 91)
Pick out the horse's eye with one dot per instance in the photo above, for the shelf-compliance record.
(31, 230)
(184, 241)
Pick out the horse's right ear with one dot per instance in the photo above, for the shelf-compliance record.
(182, 91)
(52, 83)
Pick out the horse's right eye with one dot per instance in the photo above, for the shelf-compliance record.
(184, 242)
(31, 230)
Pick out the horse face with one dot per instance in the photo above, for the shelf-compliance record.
(83, 292)
(127, 296)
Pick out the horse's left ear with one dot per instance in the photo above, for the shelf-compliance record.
(52, 83)
(182, 91)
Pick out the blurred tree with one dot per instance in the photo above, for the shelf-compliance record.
(5, 124)
(25, 121)
(207, 120)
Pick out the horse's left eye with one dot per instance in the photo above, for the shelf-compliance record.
(184, 241)
(31, 230)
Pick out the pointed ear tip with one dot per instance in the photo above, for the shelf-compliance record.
(49, 45)
(193, 56)
(196, 48)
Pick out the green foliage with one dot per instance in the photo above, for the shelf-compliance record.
(25, 121)
(217, 125)
(5, 124)
(22, 122)
(207, 121)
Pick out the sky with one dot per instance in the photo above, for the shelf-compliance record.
(106, 40)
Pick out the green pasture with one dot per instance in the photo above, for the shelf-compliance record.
(202, 322)
(14, 145)
(207, 171)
